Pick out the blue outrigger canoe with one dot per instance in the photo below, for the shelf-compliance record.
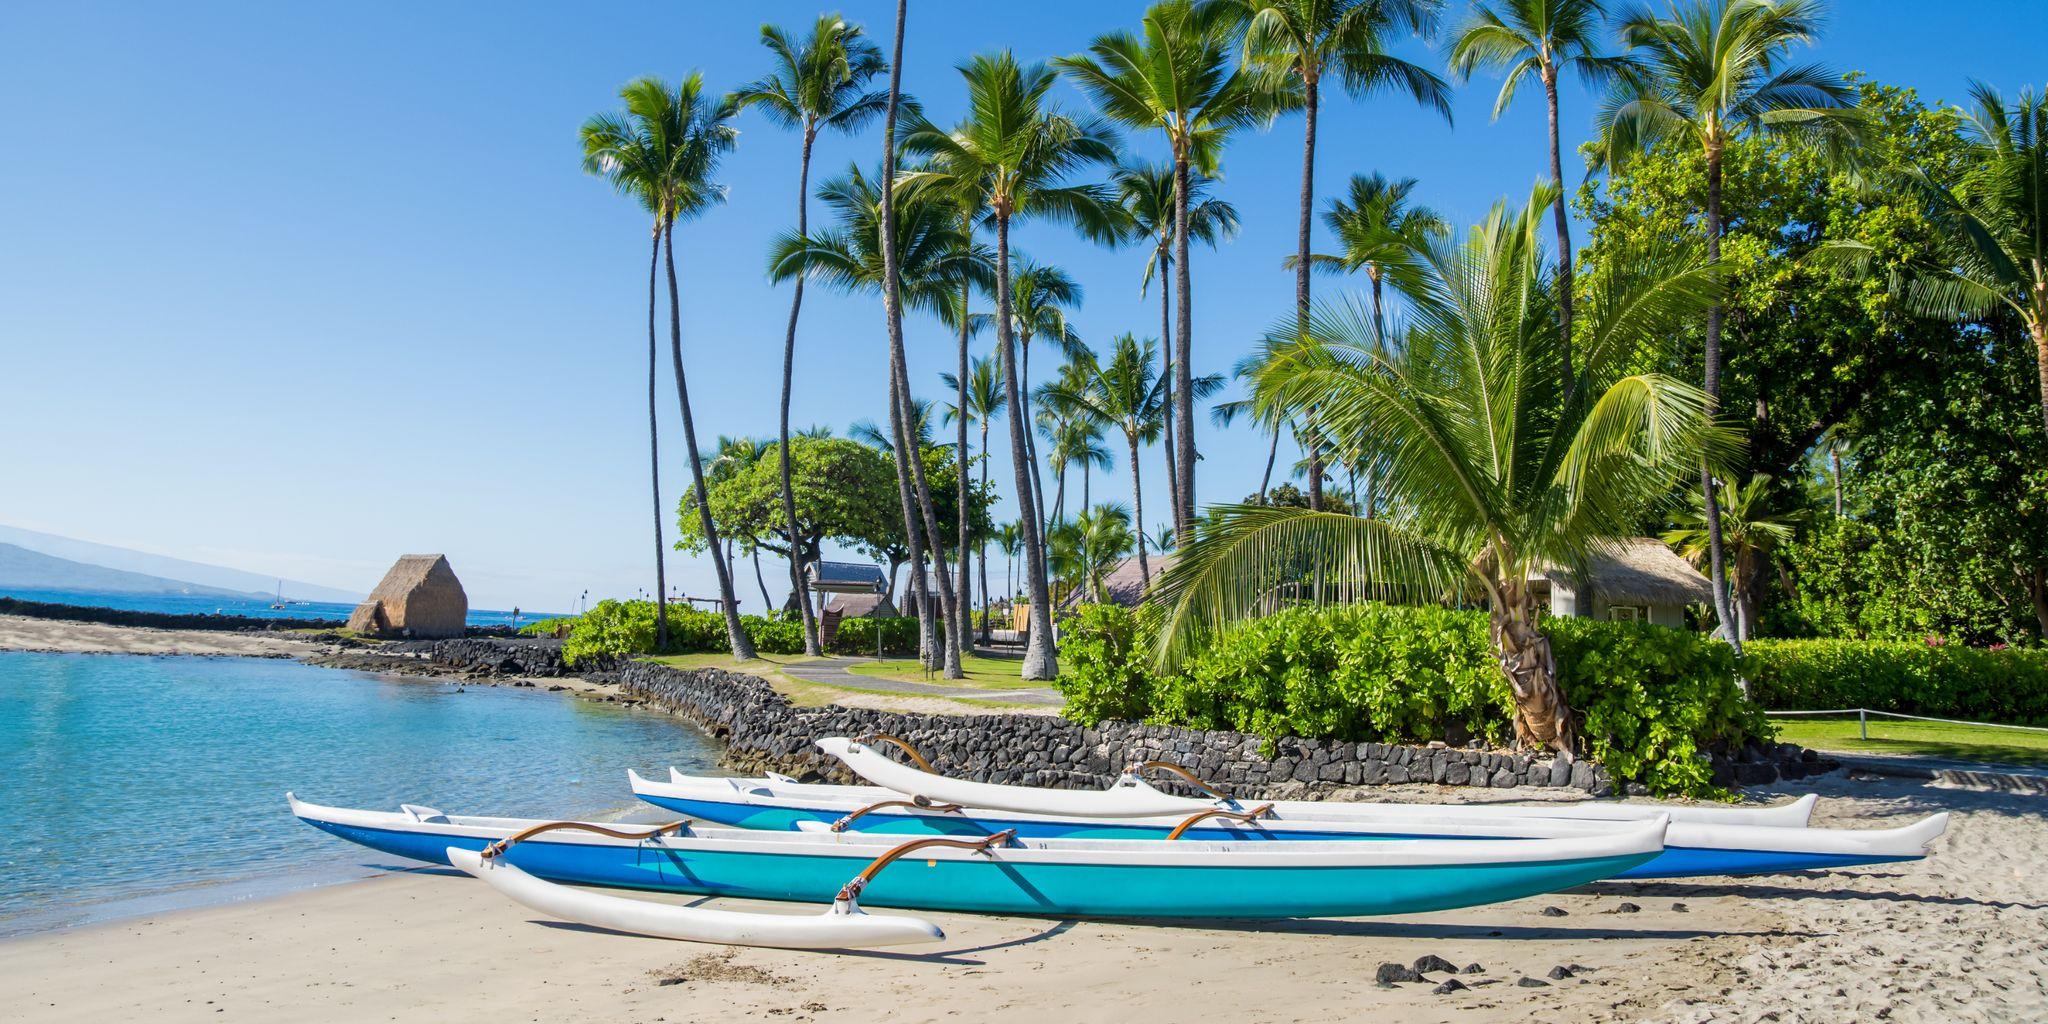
(1706, 842)
(1005, 875)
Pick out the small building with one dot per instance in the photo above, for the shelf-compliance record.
(1124, 585)
(420, 597)
(853, 590)
(1639, 579)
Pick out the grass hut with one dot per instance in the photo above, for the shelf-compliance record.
(1637, 579)
(419, 597)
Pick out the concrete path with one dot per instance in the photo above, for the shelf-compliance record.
(2006, 778)
(833, 672)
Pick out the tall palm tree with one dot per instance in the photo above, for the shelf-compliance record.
(1381, 234)
(1073, 442)
(1175, 75)
(882, 438)
(1499, 470)
(1546, 37)
(1146, 192)
(1752, 530)
(630, 150)
(1087, 549)
(818, 84)
(1041, 296)
(1125, 394)
(1009, 538)
(982, 393)
(1709, 72)
(1021, 149)
(732, 456)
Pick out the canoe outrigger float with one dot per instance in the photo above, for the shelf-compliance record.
(1709, 841)
(999, 874)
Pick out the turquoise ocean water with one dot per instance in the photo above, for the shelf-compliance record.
(199, 604)
(131, 784)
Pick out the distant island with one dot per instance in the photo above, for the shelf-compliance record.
(21, 568)
(188, 577)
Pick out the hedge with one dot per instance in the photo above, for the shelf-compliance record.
(1652, 699)
(618, 629)
(2007, 685)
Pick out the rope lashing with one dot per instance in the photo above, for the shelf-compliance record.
(1260, 811)
(498, 848)
(900, 744)
(1189, 777)
(851, 890)
(918, 802)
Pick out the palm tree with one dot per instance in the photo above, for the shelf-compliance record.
(1709, 72)
(1040, 297)
(1020, 149)
(1147, 191)
(1381, 234)
(1009, 538)
(820, 83)
(1545, 37)
(1074, 441)
(883, 438)
(734, 456)
(1752, 531)
(983, 400)
(1087, 549)
(629, 150)
(1125, 394)
(1176, 77)
(1499, 469)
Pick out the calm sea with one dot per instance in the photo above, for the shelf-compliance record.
(198, 604)
(131, 784)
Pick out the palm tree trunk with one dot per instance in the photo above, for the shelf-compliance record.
(1542, 719)
(964, 625)
(2039, 328)
(1169, 395)
(1059, 501)
(767, 603)
(735, 633)
(799, 586)
(1716, 556)
(1272, 452)
(654, 450)
(928, 651)
(1310, 89)
(1564, 235)
(1138, 510)
(1030, 433)
(985, 626)
(1183, 376)
(1039, 659)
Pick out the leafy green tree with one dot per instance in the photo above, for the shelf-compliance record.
(1019, 150)
(1147, 193)
(1712, 71)
(1175, 76)
(1753, 526)
(1544, 38)
(1499, 469)
(819, 83)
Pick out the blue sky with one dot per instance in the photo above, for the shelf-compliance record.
(297, 288)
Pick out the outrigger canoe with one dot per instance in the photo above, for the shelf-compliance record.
(1005, 874)
(1691, 848)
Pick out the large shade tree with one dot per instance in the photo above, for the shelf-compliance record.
(1713, 71)
(1175, 76)
(819, 83)
(1500, 468)
(1021, 150)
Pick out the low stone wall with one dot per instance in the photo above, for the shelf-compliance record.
(530, 656)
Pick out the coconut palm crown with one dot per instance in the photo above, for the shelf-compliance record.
(1499, 469)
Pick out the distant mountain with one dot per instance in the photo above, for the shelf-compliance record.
(172, 569)
(21, 568)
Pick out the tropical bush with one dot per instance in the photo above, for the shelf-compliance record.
(857, 636)
(1653, 699)
(622, 629)
(546, 627)
(1918, 678)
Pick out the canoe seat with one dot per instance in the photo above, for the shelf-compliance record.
(424, 814)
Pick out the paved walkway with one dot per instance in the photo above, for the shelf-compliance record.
(833, 672)
(2008, 778)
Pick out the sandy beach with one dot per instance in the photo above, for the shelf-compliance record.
(62, 636)
(1959, 936)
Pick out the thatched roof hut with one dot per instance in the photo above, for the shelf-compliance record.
(1123, 585)
(1639, 578)
(419, 597)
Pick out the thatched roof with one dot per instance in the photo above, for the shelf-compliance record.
(1124, 585)
(419, 597)
(858, 606)
(1641, 570)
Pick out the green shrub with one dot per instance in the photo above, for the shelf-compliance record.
(1652, 699)
(612, 629)
(857, 636)
(770, 634)
(1943, 681)
(546, 627)
(619, 629)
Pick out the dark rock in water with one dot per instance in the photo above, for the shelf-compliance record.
(1627, 908)
(1679, 908)
(1391, 974)
(1433, 964)
(1473, 969)
(1560, 973)
(1532, 983)
(1554, 912)
(1449, 986)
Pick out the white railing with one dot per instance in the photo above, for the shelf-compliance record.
(1863, 719)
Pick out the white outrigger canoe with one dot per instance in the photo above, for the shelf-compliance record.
(1000, 874)
(1702, 840)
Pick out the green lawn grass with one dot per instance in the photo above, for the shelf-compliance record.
(804, 693)
(1929, 739)
(982, 673)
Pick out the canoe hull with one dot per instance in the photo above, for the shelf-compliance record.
(1775, 851)
(981, 885)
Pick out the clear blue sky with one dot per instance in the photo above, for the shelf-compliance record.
(298, 288)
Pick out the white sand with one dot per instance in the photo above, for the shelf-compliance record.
(1958, 937)
(21, 633)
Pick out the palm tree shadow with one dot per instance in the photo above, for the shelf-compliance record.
(1766, 890)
